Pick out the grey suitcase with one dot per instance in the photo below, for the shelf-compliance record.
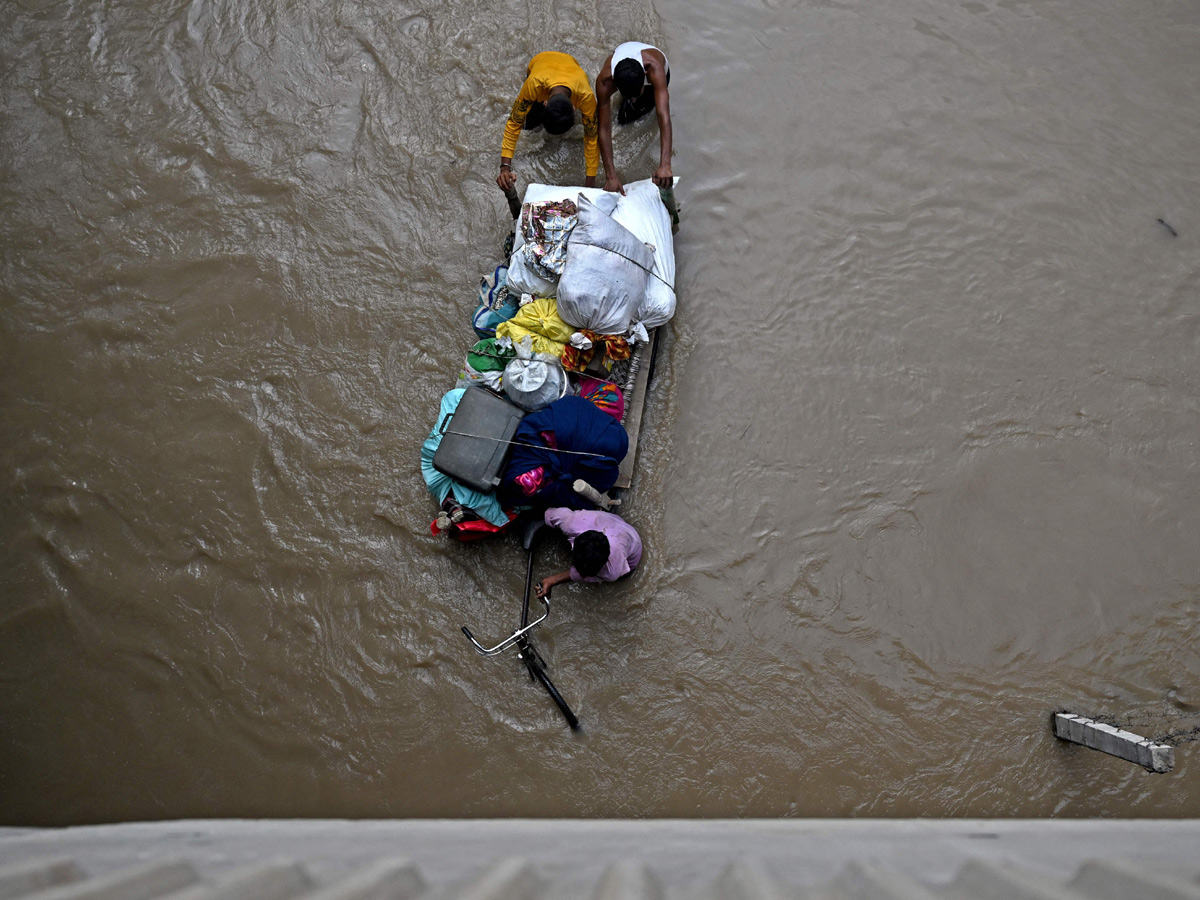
(475, 439)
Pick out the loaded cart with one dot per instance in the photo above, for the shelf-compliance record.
(565, 391)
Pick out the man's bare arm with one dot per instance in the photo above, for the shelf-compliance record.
(662, 107)
(604, 92)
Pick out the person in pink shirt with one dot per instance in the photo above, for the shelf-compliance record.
(604, 547)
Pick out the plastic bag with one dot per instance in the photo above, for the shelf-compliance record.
(540, 321)
(539, 193)
(523, 278)
(495, 304)
(485, 364)
(546, 227)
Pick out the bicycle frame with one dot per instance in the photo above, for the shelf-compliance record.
(526, 652)
(512, 638)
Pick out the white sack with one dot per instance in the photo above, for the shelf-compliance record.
(604, 280)
(641, 210)
(524, 279)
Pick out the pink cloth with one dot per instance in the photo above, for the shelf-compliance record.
(624, 543)
(607, 397)
(531, 482)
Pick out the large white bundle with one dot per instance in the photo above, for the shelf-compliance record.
(641, 210)
(604, 280)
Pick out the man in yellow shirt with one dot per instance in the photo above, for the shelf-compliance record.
(555, 86)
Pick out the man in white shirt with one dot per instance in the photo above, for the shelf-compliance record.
(641, 74)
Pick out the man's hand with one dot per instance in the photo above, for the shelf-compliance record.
(663, 177)
(546, 585)
(612, 182)
(507, 179)
(589, 181)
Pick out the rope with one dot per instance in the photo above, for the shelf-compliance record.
(670, 286)
(484, 437)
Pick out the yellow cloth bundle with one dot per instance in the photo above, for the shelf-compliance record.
(540, 320)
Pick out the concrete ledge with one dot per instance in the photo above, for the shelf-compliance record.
(576, 854)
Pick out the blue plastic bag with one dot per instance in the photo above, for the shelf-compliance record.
(495, 305)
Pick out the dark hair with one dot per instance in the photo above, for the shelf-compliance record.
(559, 115)
(589, 553)
(630, 78)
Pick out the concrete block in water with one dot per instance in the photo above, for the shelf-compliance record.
(1113, 741)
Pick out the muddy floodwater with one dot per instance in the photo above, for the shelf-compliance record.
(921, 463)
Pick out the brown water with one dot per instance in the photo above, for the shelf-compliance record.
(921, 465)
